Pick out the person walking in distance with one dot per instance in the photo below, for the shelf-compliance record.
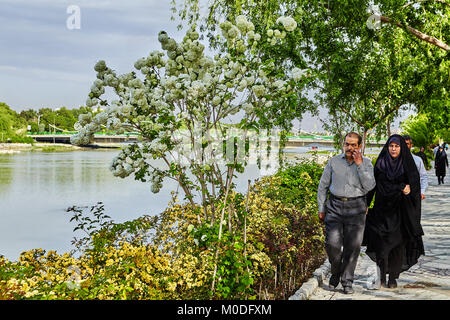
(347, 178)
(420, 167)
(440, 162)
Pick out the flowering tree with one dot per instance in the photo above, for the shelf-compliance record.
(180, 105)
(180, 108)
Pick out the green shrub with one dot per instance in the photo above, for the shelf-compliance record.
(271, 243)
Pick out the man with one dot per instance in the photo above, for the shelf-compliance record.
(348, 177)
(423, 156)
(420, 167)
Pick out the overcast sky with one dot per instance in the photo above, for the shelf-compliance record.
(45, 63)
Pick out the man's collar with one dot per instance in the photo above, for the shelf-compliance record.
(343, 157)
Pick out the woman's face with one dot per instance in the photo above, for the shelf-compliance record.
(394, 149)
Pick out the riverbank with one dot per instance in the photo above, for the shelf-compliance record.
(11, 148)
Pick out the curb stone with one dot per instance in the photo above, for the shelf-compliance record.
(307, 288)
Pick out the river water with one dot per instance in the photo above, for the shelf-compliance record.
(36, 188)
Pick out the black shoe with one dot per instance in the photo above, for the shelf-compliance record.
(348, 290)
(383, 282)
(334, 280)
(392, 284)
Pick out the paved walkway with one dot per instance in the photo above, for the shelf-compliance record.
(429, 279)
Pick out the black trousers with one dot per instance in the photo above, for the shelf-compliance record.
(344, 231)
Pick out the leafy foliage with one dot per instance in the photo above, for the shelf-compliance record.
(366, 62)
(273, 247)
(12, 127)
(420, 130)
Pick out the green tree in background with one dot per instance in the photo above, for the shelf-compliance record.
(12, 127)
(365, 62)
(418, 127)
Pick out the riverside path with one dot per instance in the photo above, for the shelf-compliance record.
(429, 279)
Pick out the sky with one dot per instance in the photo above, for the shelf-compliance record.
(49, 47)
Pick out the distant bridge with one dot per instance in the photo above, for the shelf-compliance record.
(294, 141)
(100, 138)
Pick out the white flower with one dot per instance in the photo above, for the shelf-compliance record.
(279, 84)
(288, 23)
(297, 74)
(241, 23)
(259, 90)
(100, 66)
(247, 107)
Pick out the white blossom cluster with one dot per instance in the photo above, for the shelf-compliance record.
(131, 159)
(187, 87)
(288, 23)
(297, 74)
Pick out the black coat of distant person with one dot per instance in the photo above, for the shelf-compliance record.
(440, 162)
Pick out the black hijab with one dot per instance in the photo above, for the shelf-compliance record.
(392, 167)
(404, 163)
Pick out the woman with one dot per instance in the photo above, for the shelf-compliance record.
(440, 161)
(393, 233)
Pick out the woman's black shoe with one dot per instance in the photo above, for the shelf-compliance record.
(392, 284)
(334, 280)
(383, 282)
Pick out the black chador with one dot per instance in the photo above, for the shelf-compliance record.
(393, 233)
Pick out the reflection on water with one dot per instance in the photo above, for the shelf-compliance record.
(37, 187)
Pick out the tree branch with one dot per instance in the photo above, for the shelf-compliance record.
(422, 36)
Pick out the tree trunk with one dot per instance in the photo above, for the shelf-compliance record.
(388, 127)
(364, 138)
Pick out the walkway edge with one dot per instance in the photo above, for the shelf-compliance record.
(308, 288)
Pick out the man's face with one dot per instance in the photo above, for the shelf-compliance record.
(409, 144)
(351, 145)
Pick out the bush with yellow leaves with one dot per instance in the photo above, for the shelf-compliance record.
(265, 244)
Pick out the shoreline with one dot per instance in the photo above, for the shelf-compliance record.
(11, 148)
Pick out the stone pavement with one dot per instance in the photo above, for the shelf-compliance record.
(429, 279)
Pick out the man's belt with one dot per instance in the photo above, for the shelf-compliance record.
(347, 199)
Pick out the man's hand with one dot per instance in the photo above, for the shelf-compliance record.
(422, 196)
(357, 157)
(322, 216)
